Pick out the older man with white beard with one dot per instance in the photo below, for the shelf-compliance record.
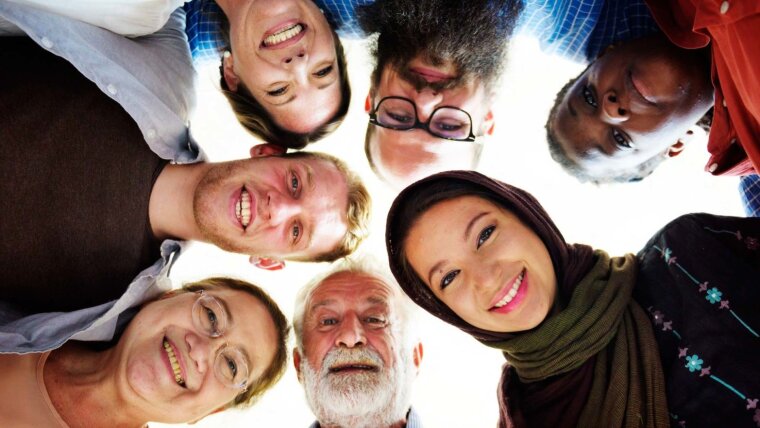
(356, 353)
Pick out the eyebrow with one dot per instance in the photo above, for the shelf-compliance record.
(311, 185)
(227, 310)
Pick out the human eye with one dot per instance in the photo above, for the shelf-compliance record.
(277, 92)
(400, 117)
(231, 366)
(484, 235)
(620, 139)
(448, 278)
(213, 320)
(328, 322)
(324, 71)
(294, 184)
(448, 125)
(377, 320)
(295, 232)
(588, 96)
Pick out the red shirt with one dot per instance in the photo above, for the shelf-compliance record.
(733, 28)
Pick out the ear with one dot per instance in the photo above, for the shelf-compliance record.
(266, 263)
(229, 72)
(368, 103)
(267, 149)
(488, 123)
(297, 363)
(417, 355)
(676, 149)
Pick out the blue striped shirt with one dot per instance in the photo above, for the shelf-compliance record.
(576, 29)
(749, 187)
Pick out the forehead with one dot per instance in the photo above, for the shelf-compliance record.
(251, 328)
(350, 291)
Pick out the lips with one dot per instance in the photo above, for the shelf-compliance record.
(511, 295)
(431, 75)
(284, 35)
(641, 89)
(350, 367)
(176, 367)
(245, 205)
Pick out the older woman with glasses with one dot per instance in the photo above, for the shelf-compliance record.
(214, 344)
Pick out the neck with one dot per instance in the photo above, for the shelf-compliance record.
(170, 210)
(82, 392)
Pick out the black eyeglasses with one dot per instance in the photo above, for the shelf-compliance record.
(400, 114)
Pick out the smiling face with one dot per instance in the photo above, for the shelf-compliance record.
(284, 53)
(150, 382)
(481, 261)
(631, 104)
(405, 156)
(273, 207)
(353, 363)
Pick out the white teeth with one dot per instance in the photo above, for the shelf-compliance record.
(283, 35)
(512, 292)
(174, 363)
(243, 208)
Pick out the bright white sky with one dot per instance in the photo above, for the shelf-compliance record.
(456, 386)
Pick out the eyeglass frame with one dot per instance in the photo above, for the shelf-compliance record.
(203, 295)
(417, 123)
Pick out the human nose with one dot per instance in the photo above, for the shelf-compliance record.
(198, 349)
(426, 101)
(613, 109)
(351, 333)
(294, 57)
(281, 208)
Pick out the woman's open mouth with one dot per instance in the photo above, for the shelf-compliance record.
(284, 36)
(176, 368)
(503, 305)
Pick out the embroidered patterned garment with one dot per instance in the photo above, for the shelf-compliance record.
(699, 281)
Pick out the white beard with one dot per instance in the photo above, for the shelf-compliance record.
(369, 399)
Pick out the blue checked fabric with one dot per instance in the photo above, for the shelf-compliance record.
(749, 187)
(203, 32)
(581, 29)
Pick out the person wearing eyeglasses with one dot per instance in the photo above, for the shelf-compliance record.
(215, 344)
(431, 92)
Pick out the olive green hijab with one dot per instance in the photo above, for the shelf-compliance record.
(594, 358)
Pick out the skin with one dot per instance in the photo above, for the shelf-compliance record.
(135, 376)
(450, 244)
(288, 79)
(640, 98)
(298, 207)
(350, 310)
(405, 156)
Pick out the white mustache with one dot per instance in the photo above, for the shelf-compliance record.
(344, 356)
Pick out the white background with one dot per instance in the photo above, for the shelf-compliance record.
(456, 386)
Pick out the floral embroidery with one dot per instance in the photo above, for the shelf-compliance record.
(694, 363)
(703, 287)
(713, 295)
(705, 372)
(752, 243)
(682, 352)
(751, 403)
(757, 417)
(724, 304)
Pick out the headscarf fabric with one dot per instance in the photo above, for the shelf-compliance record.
(595, 331)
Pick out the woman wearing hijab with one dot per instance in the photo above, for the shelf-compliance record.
(664, 338)
(215, 344)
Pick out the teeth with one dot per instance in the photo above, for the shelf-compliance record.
(175, 364)
(243, 208)
(283, 35)
(512, 292)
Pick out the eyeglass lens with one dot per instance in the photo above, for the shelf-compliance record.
(446, 122)
(210, 316)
